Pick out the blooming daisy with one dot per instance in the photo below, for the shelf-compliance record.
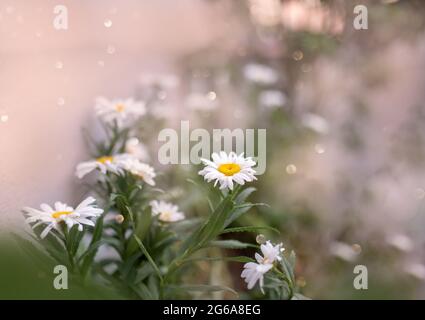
(139, 169)
(227, 169)
(104, 164)
(167, 212)
(61, 212)
(121, 111)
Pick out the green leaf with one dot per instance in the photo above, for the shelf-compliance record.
(299, 296)
(243, 195)
(249, 229)
(97, 235)
(148, 256)
(241, 259)
(231, 244)
(143, 223)
(143, 272)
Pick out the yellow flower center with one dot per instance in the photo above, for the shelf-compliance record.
(105, 159)
(165, 216)
(229, 169)
(120, 107)
(57, 214)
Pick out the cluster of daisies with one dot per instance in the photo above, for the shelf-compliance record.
(225, 170)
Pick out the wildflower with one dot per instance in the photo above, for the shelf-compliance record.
(120, 111)
(272, 98)
(63, 213)
(139, 169)
(104, 164)
(227, 169)
(254, 272)
(261, 74)
(167, 212)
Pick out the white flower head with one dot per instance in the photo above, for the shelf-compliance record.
(315, 122)
(139, 169)
(61, 212)
(136, 148)
(254, 272)
(271, 253)
(166, 212)
(104, 164)
(343, 251)
(121, 111)
(227, 169)
(260, 73)
(272, 99)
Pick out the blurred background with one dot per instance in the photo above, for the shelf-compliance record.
(343, 108)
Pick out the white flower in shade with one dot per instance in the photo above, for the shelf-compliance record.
(227, 169)
(103, 164)
(270, 252)
(260, 73)
(400, 242)
(315, 122)
(416, 270)
(61, 212)
(254, 272)
(139, 169)
(137, 149)
(272, 98)
(121, 111)
(166, 212)
(343, 251)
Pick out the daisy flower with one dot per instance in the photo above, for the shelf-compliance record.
(104, 164)
(167, 212)
(139, 169)
(61, 212)
(121, 111)
(227, 169)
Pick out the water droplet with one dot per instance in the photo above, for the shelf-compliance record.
(260, 239)
(298, 55)
(107, 23)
